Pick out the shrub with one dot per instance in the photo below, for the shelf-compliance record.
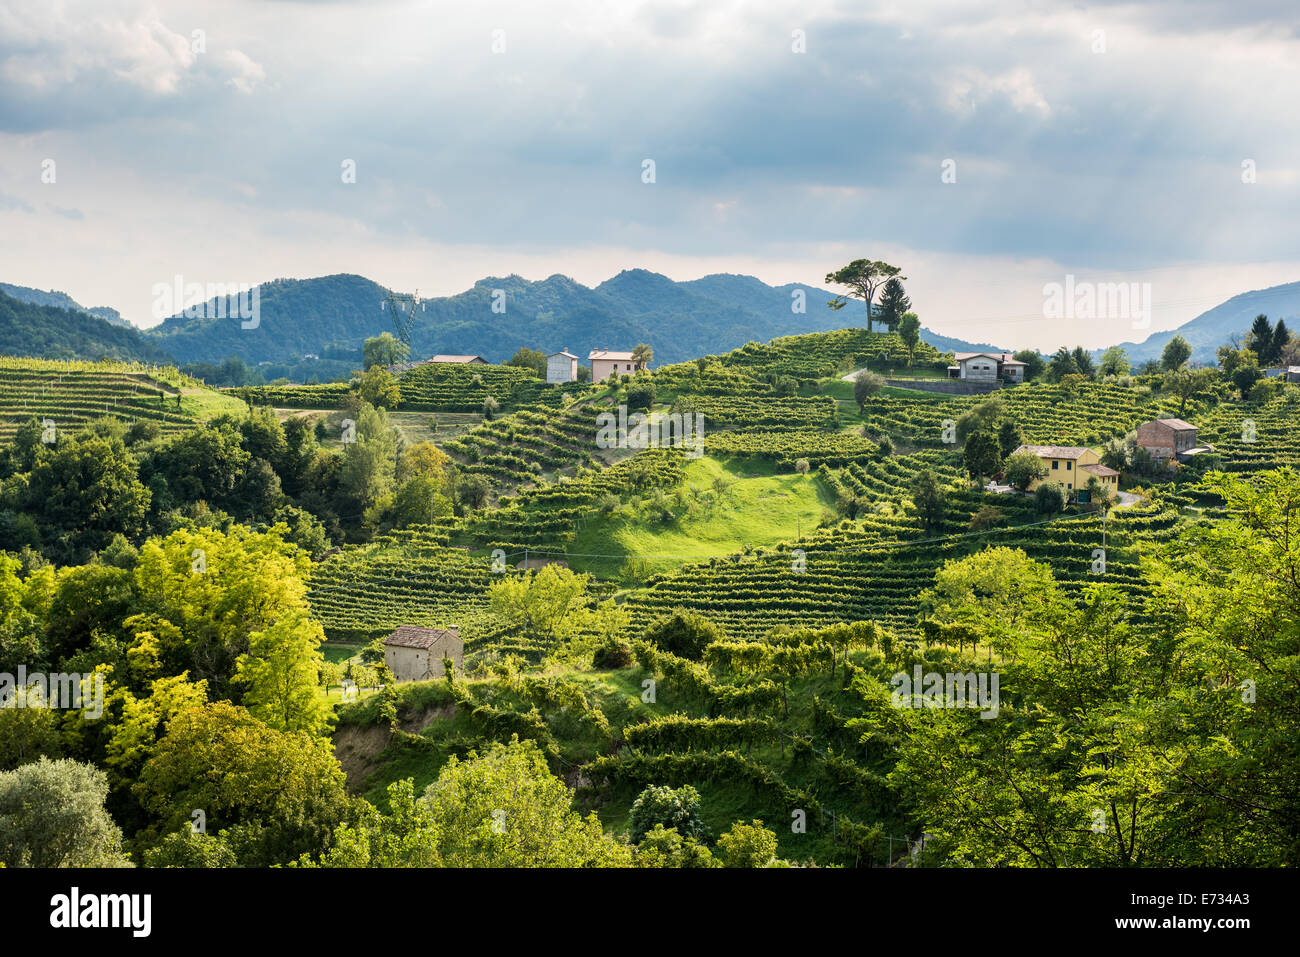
(672, 808)
(684, 634)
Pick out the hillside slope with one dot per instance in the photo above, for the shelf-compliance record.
(1216, 326)
(56, 332)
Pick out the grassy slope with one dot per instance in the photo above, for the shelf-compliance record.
(760, 507)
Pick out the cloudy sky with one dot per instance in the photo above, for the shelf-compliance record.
(1109, 141)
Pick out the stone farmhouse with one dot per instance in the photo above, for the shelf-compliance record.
(1170, 439)
(413, 653)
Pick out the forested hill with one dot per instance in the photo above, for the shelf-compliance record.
(680, 320)
(53, 297)
(52, 332)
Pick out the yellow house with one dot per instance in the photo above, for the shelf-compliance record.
(1072, 466)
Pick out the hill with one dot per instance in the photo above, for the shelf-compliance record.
(680, 320)
(1216, 326)
(63, 301)
(62, 332)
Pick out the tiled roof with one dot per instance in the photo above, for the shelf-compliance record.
(458, 359)
(1099, 469)
(1178, 425)
(566, 353)
(1054, 451)
(610, 354)
(413, 636)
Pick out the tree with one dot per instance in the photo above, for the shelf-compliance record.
(642, 353)
(549, 606)
(1260, 340)
(862, 277)
(661, 806)
(83, 493)
(683, 633)
(370, 461)
(1023, 469)
(1246, 373)
(502, 807)
(1083, 363)
(280, 671)
(276, 794)
(982, 455)
(640, 396)
(928, 499)
(1188, 383)
(1010, 436)
(378, 387)
(531, 359)
(662, 847)
(189, 848)
(1177, 351)
(1034, 364)
(383, 350)
(909, 330)
(52, 815)
(748, 845)
(1061, 364)
(1114, 361)
(893, 303)
(866, 384)
(1051, 498)
(1281, 339)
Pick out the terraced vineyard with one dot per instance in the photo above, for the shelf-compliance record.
(73, 393)
(411, 577)
(823, 354)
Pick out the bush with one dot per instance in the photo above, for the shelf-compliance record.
(801, 466)
(684, 634)
(1051, 498)
(613, 654)
(640, 396)
(677, 809)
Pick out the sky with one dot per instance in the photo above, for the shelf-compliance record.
(988, 149)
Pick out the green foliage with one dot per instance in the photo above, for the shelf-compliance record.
(677, 809)
(683, 633)
(52, 815)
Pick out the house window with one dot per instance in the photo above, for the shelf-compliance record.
(1069, 466)
(1055, 465)
(629, 367)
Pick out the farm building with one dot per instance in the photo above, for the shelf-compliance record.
(607, 362)
(413, 653)
(1293, 373)
(461, 360)
(1170, 438)
(562, 367)
(1072, 466)
(987, 367)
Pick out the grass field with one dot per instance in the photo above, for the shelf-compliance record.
(754, 506)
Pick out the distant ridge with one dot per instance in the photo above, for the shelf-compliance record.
(1216, 326)
(63, 301)
(680, 320)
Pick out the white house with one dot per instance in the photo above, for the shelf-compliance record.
(987, 367)
(562, 367)
(607, 362)
(415, 654)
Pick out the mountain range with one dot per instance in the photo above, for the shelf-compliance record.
(1215, 327)
(497, 316)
